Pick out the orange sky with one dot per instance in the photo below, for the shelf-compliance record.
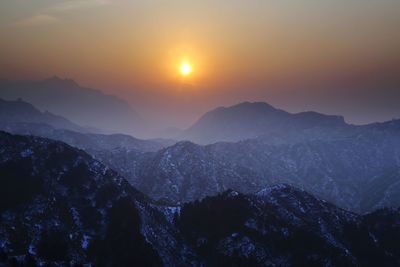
(239, 50)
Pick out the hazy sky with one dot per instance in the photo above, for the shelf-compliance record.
(338, 56)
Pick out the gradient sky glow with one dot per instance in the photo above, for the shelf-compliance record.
(334, 56)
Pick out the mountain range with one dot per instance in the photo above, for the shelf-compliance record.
(251, 120)
(354, 167)
(21, 117)
(237, 203)
(59, 206)
(84, 106)
(20, 112)
(359, 173)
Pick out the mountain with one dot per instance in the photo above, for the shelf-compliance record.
(19, 117)
(186, 172)
(59, 206)
(15, 112)
(250, 120)
(81, 105)
(359, 172)
(354, 167)
(117, 151)
(90, 142)
(283, 226)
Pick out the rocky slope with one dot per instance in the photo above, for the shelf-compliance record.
(282, 226)
(360, 172)
(357, 168)
(60, 207)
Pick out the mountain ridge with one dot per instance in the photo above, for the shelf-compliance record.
(358, 172)
(81, 105)
(67, 208)
(19, 111)
(249, 120)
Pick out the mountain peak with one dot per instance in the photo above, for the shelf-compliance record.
(54, 78)
(280, 188)
(239, 122)
(257, 104)
(247, 107)
(230, 193)
(183, 147)
(84, 106)
(17, 107)
(18, 111)
(57, 81)
(249, 120)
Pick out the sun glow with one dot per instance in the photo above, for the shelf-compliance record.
(186, 69)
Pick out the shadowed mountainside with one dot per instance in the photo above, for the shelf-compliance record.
(359, 172)
(60, 206)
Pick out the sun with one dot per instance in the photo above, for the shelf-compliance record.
(186, 69)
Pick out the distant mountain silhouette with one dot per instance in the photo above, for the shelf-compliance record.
(15, 112)
(82, 105)
(19, 117)
(250, 120)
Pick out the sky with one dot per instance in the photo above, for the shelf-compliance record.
(337, 57)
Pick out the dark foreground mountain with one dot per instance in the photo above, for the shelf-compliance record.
(60, 207)
(84, 106)
(251, 120)
(282, 226)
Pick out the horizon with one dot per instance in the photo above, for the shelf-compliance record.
(336, 57)
(165, 125)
